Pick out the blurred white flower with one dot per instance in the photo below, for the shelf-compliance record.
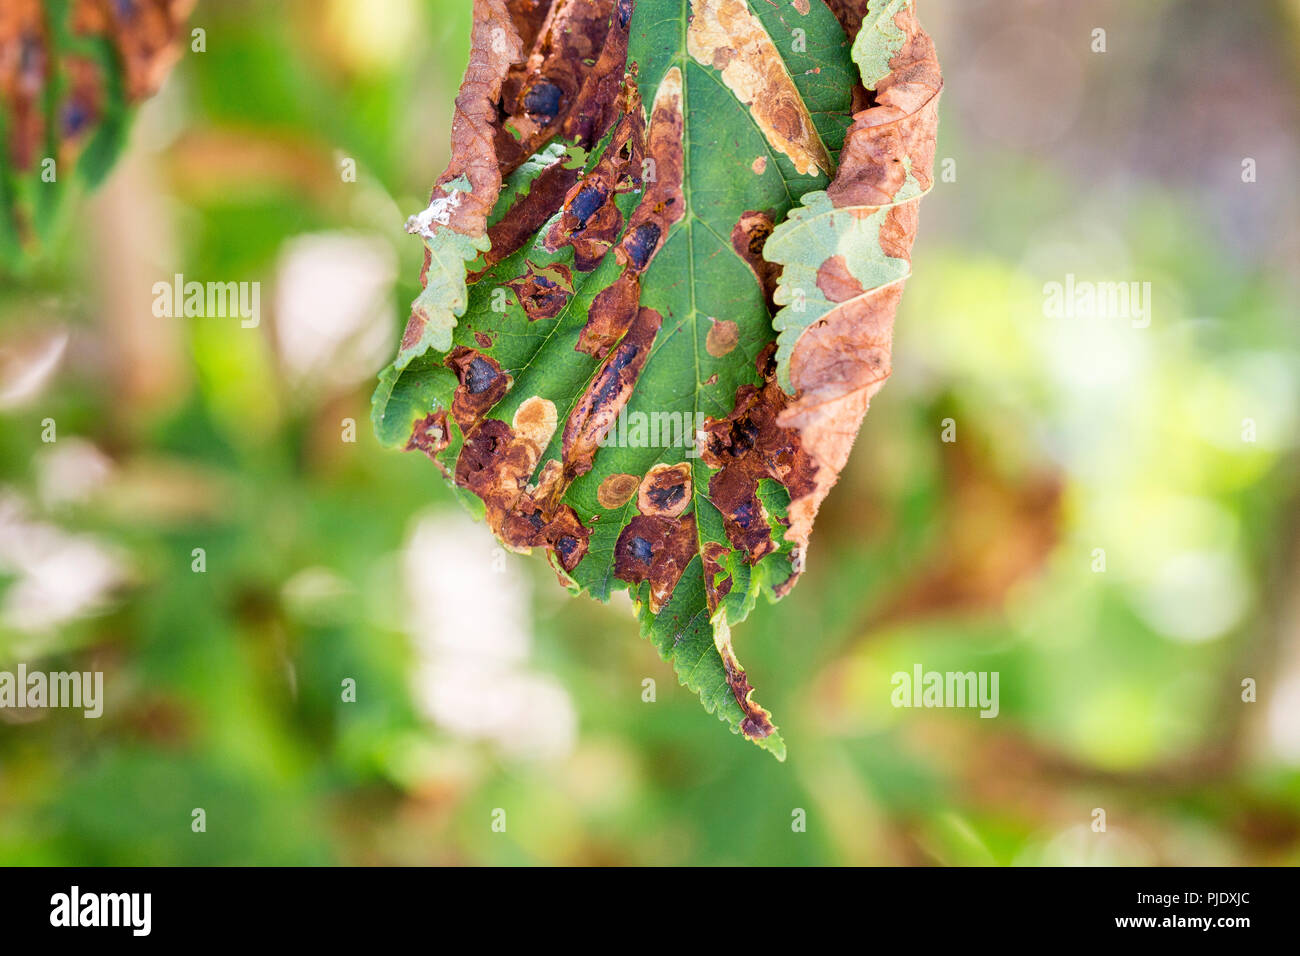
(469, 620)
(1196, 596)
(58, 576)
(1079, 845)
(26, 366)
(70, 471)
(1284, 719)
(333, 308)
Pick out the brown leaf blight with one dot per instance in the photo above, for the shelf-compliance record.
(725, 35)
(840, 362)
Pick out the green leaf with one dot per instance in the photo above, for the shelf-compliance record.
(814, 234)
(444, 297)
(879, 40)
(607, 390)
(837, 253)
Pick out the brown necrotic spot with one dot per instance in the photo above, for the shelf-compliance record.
(608, 392)
(543, 292)
(757, 722)
(655, 549)
(613, 310)
(528, 214)
(590, 220)
(748, 446)
(748, 236)
(482, 385)
(596, 106)
(610, 315)
(495, 463)
(734, 492)
(540, 90)
(430, 434)
(616, 490)
(567, 538)
(665, 490)
(717, 581)
(478, 464)
(586, 202)
(836, 282)
(662, 203)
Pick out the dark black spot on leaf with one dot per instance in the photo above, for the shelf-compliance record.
(480, 376)
(641, 550)
(544, 100)
(566, 547)
(745, 514)
(74, 119)
(743, 435)
(641, 244)
(665, 498)
(585, 204)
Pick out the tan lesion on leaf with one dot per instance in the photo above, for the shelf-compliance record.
(721, 338)
(539, 93)
(430, 435)
(836, 282)
(497, 460)
(610, 315)
(597, 105)
(717, 582)
(724, 35)
(535, 420)
(662, 203)
(590, 220)
(495, 463)
(516, 229)
(617, 490)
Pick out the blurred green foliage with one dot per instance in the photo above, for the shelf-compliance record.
(1120, 689)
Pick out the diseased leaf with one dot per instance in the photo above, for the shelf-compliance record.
(601, 380)
(70, 71)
